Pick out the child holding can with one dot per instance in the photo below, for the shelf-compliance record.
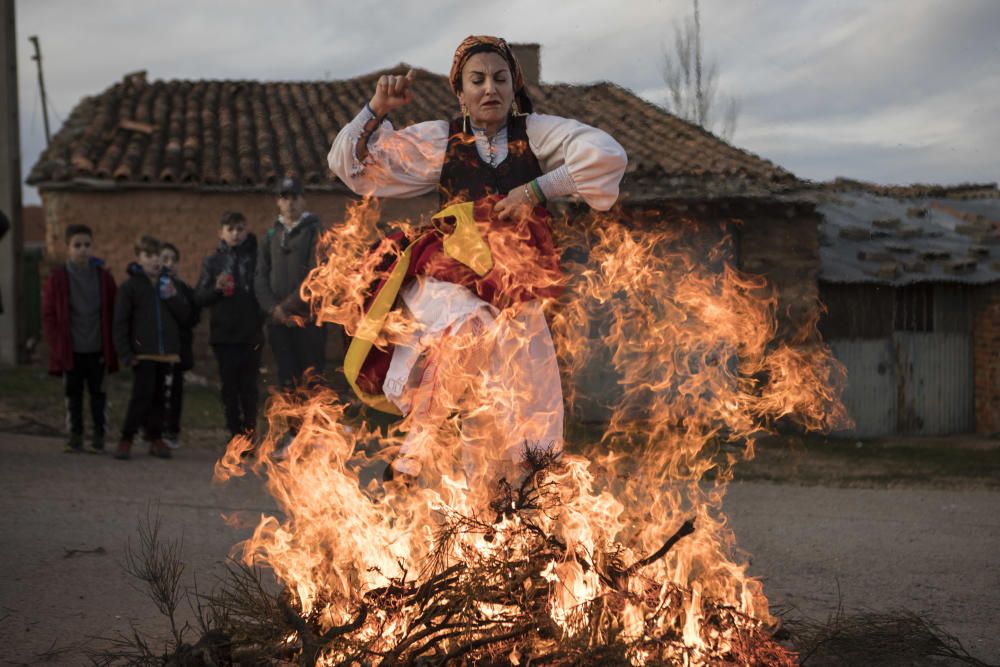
(148, 307)
(226, 288)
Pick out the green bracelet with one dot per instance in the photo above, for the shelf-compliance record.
(537, 189)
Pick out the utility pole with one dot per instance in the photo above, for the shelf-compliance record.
(41, 86)
(10, 191)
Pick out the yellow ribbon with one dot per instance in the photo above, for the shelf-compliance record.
(466, 244)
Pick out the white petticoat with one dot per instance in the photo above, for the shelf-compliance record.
(521, 368)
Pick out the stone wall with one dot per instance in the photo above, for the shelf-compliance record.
(781, 243)
(776, 240)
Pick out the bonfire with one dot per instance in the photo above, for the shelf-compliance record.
(613, 553)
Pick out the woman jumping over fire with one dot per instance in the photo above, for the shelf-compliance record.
(479, 274)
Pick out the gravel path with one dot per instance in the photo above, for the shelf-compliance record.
(934, 552)
(930, 551)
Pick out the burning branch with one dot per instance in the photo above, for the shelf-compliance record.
(686, 529)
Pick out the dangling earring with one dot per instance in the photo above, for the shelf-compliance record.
(465, 119)
(514, 110)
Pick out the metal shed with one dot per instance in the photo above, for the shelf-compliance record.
(900, 277)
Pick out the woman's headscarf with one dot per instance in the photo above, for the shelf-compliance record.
(474, 44)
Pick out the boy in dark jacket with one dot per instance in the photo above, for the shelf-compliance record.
(226, 288)
(77, 312)
(147, 336)
(170, 257)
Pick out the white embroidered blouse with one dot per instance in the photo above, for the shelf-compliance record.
(576, 159)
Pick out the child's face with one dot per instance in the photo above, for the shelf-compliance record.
(150, 262)
(233, 235)
(80, 248)
(168, 260)
(291, 207)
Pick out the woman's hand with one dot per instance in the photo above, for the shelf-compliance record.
(517, 204)
(392, 91)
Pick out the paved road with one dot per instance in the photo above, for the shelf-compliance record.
(930, 551)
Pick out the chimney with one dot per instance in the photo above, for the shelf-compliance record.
(135, 79)
(530, 61)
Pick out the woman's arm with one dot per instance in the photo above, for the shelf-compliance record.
(372, 158)
(576, 159)
(396, 163)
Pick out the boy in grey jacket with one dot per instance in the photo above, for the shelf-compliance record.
(286, 254)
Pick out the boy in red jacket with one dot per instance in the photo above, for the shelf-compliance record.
(77, 314)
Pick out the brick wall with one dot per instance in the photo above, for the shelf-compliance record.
(771, 242)
(986, 359)
(189, 220)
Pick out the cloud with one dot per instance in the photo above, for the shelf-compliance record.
(896, 90)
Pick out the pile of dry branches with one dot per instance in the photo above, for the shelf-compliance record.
(489, 606)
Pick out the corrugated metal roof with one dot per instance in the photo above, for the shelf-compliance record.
(867, 238)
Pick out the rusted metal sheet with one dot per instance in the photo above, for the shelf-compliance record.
(870, 396)
(935, 385)
(913, 383)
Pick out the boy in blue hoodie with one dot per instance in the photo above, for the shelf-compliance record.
(148, 308)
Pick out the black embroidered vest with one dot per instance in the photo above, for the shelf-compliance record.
(466, 177)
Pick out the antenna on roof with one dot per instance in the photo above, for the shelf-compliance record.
(41, 84)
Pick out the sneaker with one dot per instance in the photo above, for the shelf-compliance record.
(159, 449)
(97, 444)
(74, 444)
(124, 450)
(172, 440)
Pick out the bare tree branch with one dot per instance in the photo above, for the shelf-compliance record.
(692, 83)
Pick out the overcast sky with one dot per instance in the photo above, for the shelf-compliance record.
(892, 91)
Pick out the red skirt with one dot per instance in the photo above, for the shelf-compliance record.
(522, 264)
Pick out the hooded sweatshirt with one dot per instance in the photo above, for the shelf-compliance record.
(146, 325)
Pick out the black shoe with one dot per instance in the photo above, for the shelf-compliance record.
(75, 443)
(97, 444)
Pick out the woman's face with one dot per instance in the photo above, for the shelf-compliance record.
(487, 89)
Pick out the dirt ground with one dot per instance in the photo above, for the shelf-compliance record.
(66, 518)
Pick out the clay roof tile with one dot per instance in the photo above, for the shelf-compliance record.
(250, 133)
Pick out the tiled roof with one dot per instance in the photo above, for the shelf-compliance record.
(958, 191)
(246, 134)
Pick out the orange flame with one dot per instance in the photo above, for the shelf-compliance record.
(697, 361)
